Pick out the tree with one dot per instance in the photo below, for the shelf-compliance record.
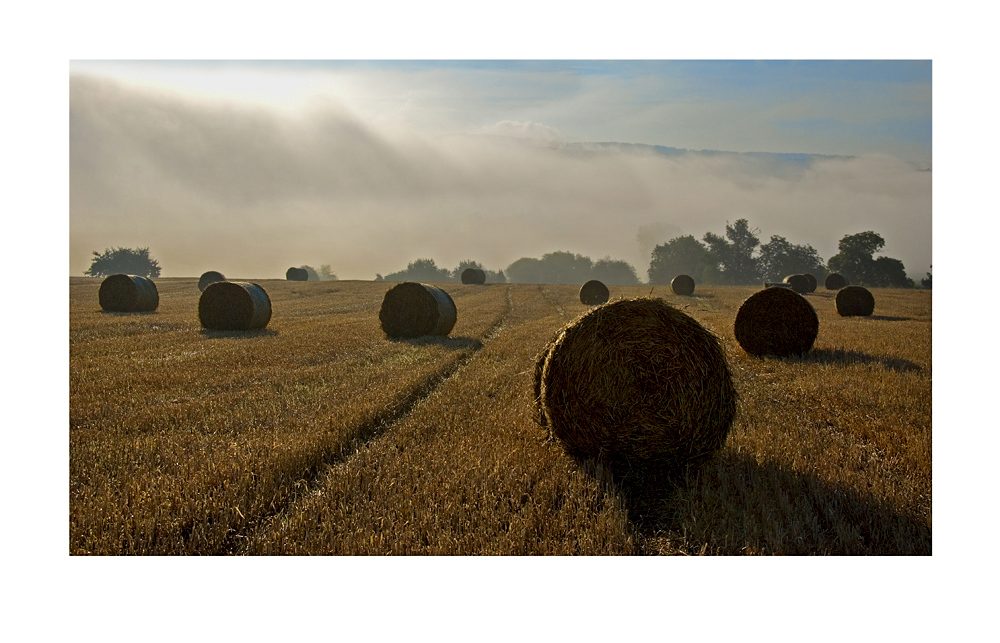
(310, 273)
(325, 274)
(926, 283)
(890, 273)
(614, 272)
(525, 270)
(130, 261)
(565, 268)
(420, 270)
(779, 258)
(734, 253)
(683, 255)
(855, 261)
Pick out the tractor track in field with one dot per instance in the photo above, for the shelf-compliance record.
(366, 432)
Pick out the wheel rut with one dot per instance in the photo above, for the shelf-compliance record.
(366, 432)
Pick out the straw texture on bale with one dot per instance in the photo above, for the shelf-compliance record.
(776, 321)
(811, 278)
(234, 305)
(835, 281)
(296, 274)
(594, 293)
(855, 301)
(682, 285)
(639, 385)
(210, 278)
(473, 276)
(128, 294)
(799, 283)
(412, 310)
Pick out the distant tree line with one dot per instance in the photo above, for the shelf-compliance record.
(427, 270)
(739, 258)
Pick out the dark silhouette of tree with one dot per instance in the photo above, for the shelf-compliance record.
(890, 273)
(129, 261)
(856, 262)
(926, 283)
(565, 268)
(734, 253)
(614, 272)
(683, 255)
(420, 270)
(526, 270)
(779, 258)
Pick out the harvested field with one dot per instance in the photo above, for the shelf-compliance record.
(319, 435)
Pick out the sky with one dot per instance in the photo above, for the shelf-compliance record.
(250, 167)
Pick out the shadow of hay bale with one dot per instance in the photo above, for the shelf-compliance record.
(845, 357)
(238, 334)
(888, 318)
(451, 343)
(736, 504)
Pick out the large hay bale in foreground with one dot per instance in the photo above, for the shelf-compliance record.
(639, 385)
(799, 283)
(210, 278)
(234, 305)
(412, 310)
(835, 281)
(776, 321)
(296, 274)
(682, 285)
(122, 293)
(855, 301)
(594, 293)
(811, 278)
(473, 276)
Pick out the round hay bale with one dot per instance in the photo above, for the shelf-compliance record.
(682, 285)
(799, 283)
(638, 384)
(128, 294)
(594, 293)
(209, 278)
(811, 278)
(855, 301)
(473, 276)
(296, 274)
(776, 321)
(835, 281)
(234, 305)
(412, 310)
(776, 284)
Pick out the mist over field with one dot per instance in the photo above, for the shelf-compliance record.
(249, 190)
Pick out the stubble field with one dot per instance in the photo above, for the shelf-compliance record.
(318, 435)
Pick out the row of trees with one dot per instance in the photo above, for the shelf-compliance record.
(740, 258)
(736, 258)
(427, 270)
